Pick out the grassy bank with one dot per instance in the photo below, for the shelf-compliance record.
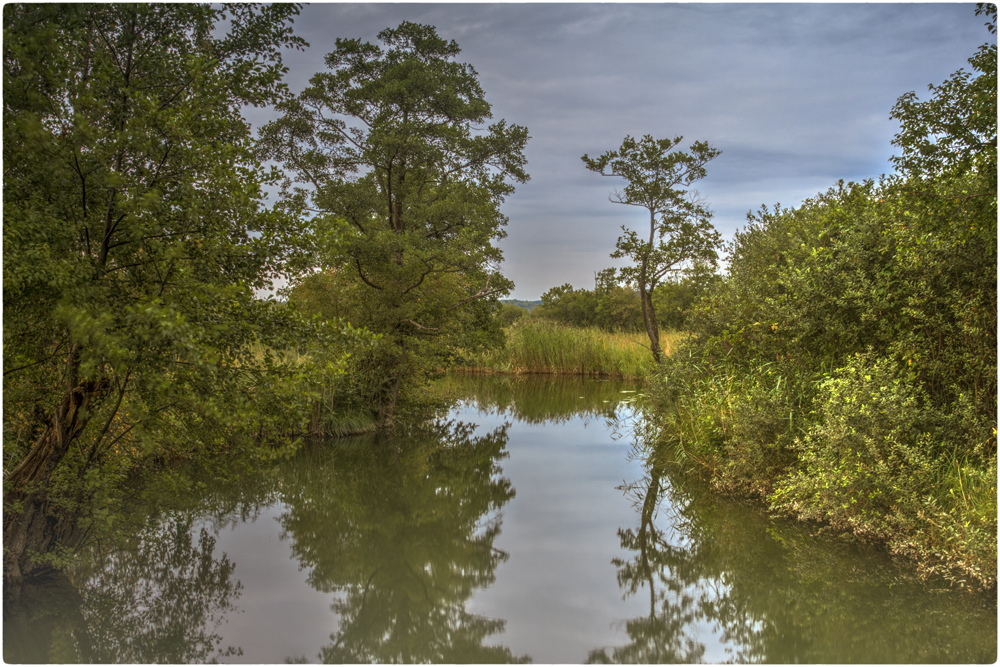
(541, 346)
(857, 452)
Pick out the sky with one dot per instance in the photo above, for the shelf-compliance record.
(796, 96)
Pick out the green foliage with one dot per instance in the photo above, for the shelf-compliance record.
(617, 308)
(658, 178)
(527, 305)
(845, 367)
(611, 308)
(509, 314)
(869, 456)
(881, 462)
(955, 131)
(134, 239)
(408, 190)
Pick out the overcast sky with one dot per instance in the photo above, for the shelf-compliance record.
(796, 96)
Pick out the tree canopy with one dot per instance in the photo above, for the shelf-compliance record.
(134, 238)
(680, 232)
(384, 151)
(956, 129)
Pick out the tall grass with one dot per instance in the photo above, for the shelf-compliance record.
(535, 345)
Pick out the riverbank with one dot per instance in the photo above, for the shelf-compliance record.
(853, 453)
(539, 346)
(770, 434)
(632, 551)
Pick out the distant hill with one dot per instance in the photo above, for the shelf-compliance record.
(527, 305)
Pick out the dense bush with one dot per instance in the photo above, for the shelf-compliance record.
(845, 368)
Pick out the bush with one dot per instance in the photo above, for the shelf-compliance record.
(869, 458)
(765, 417)
(883, 463)
(845, 368)
(509, 314)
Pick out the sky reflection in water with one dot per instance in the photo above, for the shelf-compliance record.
(538, 535)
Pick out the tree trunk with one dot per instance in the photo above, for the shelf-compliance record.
(386, 410)
(645, 298)
(649, 319)
(646, 529)
(32, 523)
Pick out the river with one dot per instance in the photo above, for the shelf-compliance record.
(524, 526)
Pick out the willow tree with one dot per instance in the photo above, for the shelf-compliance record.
(680, 231)
(389, 153)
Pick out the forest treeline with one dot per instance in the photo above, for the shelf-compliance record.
(842, 368)
(615, 307)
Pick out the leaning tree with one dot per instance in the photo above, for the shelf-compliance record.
(680, 231)
(133, 238)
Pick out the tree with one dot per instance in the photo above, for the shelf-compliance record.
(509, 313)
(956, 130)
(383, 150)
(133, 241)
(679, 227)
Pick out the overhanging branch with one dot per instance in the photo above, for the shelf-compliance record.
(362, 274)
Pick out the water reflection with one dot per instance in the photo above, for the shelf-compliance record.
(727, 583)
(541, 399)
(403, 534)
(662, 637)
(159, 597)
(399, 542)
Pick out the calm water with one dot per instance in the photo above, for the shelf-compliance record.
(524, 527)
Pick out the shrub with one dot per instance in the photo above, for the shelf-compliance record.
(509, 313)
(869, 458)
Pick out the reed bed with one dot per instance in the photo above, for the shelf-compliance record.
(541, 346)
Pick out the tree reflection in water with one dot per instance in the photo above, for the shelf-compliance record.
(662, 637)
(723, 574)
(402, 531)
(399, 529)
(159, 598)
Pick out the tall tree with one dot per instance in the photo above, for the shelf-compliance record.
(680, 231)
(133, 238)
(384, 149)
